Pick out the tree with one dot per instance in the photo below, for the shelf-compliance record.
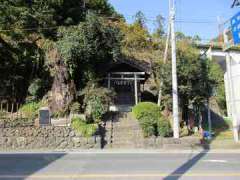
(216, 74)
(195, 80)
(140, 19)
(159, 32)
(30, 31)
(87, 46)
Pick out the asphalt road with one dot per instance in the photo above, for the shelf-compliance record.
(120, 166)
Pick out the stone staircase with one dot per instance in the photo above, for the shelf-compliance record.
(123, 131)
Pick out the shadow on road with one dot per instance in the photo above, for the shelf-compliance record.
(21, 166)
(218, 125)
(178, 173)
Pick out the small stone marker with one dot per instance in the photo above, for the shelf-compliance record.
(44, 116)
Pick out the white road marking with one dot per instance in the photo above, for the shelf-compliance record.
(216, 161)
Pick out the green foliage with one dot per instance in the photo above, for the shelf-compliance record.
(43, 16)
(83, 128)
(101, 7)
(135, 37)
(34, 88)
(98, 109)
(146, 108)
(159, 32)
(28, 23)
(148, 115)
(164, 127)
(151, 120)
(30, 110)
(75, 107)
(195, 83)
(60, 114)
(20, 63)
(38, 88)
(87, 46)
(96, 100)
(140, 19)
(216, 74)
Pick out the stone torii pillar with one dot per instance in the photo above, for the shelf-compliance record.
(135, 88)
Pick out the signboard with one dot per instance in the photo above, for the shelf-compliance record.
(235, 26)
(44, 116)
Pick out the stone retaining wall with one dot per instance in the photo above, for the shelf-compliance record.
(168, 143)
(45, 138)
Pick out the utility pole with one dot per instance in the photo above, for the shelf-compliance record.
(165, 57)
(174, 71)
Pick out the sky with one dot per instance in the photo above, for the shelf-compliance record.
(194, 17)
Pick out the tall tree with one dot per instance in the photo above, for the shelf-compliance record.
(31, 28)
(159, 26)
(140, 19)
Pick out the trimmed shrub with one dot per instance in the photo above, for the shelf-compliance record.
(164, 127)
(146, 109)
(151, 120)
(148, 115)
(83, 128)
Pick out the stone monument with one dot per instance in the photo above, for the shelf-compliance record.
(44, 116)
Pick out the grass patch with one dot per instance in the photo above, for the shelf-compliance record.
(30, 110)
(83, 128)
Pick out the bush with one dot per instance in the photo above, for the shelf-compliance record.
(34, 88)
(75, 107)
(83, 128)
(164, 127)
(149, 126)
(98, 109)
(96, 101)
(30, 110)
(151, 120)
(146, 109)
(148, 115)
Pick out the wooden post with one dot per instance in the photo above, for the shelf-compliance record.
(136, 89)
(17, 109)
(7, 106)
(12, 108)
(109, 81)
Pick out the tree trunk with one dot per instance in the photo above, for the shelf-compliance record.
(63, 89)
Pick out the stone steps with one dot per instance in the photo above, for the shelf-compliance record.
(124, 132)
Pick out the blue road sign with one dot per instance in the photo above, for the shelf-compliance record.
(235, 25)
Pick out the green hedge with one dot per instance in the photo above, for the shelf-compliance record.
(151, 121)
